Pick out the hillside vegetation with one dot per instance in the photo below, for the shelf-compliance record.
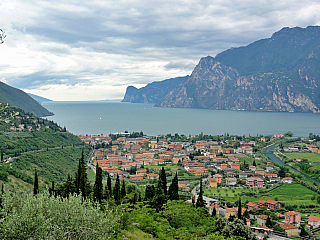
(17, 98)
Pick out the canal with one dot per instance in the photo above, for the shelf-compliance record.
(269, 153)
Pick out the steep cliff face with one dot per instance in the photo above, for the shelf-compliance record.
(152, 93)
(277, 74)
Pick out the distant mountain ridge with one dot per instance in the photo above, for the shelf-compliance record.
(18, 98)
(38, 98)
(281, 73)
(152, 93)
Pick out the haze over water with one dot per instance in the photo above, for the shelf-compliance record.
(110, 117)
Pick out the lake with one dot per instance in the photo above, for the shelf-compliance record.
(110, 117)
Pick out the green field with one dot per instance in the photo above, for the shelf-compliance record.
(312, 157)
(287, 193)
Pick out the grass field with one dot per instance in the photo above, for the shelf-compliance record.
(288, 193)
(312, 157)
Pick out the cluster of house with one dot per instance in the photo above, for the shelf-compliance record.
(289, 221)
(126, 153)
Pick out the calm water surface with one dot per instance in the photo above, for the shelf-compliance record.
(111, 117)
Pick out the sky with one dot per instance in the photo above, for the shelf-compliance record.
(93, 50)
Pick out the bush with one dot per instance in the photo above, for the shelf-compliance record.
(25, 216)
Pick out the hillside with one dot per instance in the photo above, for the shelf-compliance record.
(20, 99)
(281, 73)
(28, 142)
(152, 93)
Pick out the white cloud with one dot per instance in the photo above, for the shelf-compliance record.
(74, 50)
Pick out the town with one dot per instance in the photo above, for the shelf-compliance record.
(229, 166)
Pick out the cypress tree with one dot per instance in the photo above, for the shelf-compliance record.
(116, 191)
(254, 163)
(2, 189)
(36, 183)
(81, 180)
(139, 199)
(98, 186)
(123, 189)
(174, 188)
(214, 212)
(68, 188)
(1, 156)
(163, 181)
(239, 209)
(200, 202)
(109, 185)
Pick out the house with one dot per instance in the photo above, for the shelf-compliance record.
(254, 182)
(231, 181)
(314, 221)
(252, 168)
(141, 172)
(259, 171)
(291, 230)
(136, 177)
(271, 204)
(287, 180)
(218, 177)
(261, 220)
(235, 166)
(229, 212)
(152, 176)
(213, 182)
(252, 206)
(292, 217)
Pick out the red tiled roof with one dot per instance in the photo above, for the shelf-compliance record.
(287, 226)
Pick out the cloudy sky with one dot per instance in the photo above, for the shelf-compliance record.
(93, 50)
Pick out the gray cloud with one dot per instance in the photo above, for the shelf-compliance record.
(122, 42)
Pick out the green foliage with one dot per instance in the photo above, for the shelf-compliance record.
(42, 217)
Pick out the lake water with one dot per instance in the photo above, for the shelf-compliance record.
(111, 117)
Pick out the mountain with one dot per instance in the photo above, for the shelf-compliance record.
(281, 73)
(39, 99)
(152, 93)
(17, 98)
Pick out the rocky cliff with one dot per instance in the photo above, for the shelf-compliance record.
(152, 93)
(281, 73)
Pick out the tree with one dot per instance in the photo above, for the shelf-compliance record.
(51, 189)
(174, 188)
(149, 193)
(282, 172)
(214, 212)
(36, 183)
(123, 189)
(109, 185)
(269, 222)
(81, 180)
(116, 191)
(238, 228)
(254, 163)
(159, 197)
(200, 202)
(239, 209)
(98, 186)
(163, 181)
